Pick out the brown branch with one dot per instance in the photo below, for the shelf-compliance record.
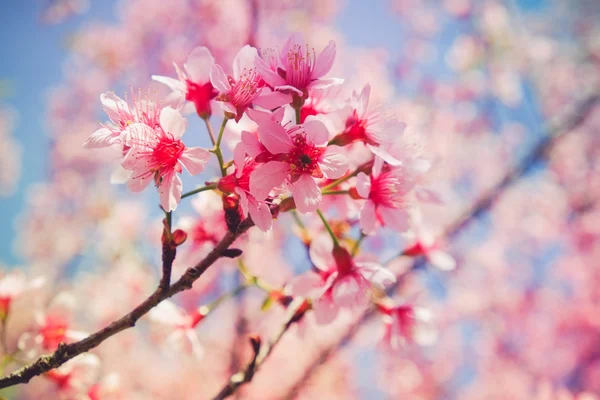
(296, 311)
(66, 352)
(555, 131)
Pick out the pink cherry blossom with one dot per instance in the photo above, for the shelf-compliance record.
(52, 327)
(386, 191)
(376, 128)
(122, 115)
(76, 377)
(193, 83)
(239, 183)
(246, 87)
(297, 69)
(406, 324)
(177, 328)
(159, 154)
(339, 281)
(297, 155)
(11, 285)
(424, 244)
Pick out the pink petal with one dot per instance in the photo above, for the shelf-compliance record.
(306, 285)
(382, 153)
(368, 218)
(102, 137)
(267, 176)
(194, 159)
(349, 291)
(114, 106)
(325, 311)
(227, 107)
(363, 100)
(306, 193)
(239, 157)
(270, 100)
(219, 80)
(170, 191)
(243, 200)
(174, 84)
(316, 131)
(289, 88)
(363, 185)
(296, 39)
(167, 313)
(320, 84)
(324, 61)
(138, 183)
(274, 137)
(441, 260)
(397, 219)
(261, 214)
(376, 274)
(199, 64)
(269, 76)
(251, 144)
(333, 163)
(244, 61)
(172, 122)
(320, 253)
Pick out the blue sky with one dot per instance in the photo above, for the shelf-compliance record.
(33, 54)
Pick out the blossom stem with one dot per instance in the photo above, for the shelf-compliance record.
(331, 192)
(210, 131)
(298, 220)
(211, 186)
(357, 244)
(298, 119)
(253, 280)
(328, 227)
(217, 149)
(210, 307)
(338, 181)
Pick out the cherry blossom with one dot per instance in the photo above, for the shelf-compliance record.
(159, 154)
(297, 155)
(246, 87)
(297, 69)
(193, 83)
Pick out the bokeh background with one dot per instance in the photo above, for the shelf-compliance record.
(503, 95)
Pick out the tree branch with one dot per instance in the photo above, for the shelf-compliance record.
(296, 311)
(66, 352)
(555, 131)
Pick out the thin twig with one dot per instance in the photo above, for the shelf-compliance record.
(66, 352)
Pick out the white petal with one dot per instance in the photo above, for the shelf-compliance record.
(172, 122)
(333, 163)
(194, 159)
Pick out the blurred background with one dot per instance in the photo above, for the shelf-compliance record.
(504, 96)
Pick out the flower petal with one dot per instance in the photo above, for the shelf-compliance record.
(115, 107)
(199, 64)
(268, 75)
(274, 137)
(324, 61)
(244, 61)
(333, 163)
(269, 100)
(316, 131)
(218, 79)
(368, 218)
(306, 193)
(174, 84)
(363, 185)
(251, 144)
(170, 191)
(376, 274)
(267, 176)
(102, 137)
(261, 214)
(397, 219)
(172, 122)
(194, 159)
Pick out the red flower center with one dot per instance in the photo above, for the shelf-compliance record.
(200, 95)
(166, 155)
(304, 158)
(53, 332)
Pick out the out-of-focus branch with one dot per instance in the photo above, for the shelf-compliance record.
(296, 311)
(556, 130)
(66, 352)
